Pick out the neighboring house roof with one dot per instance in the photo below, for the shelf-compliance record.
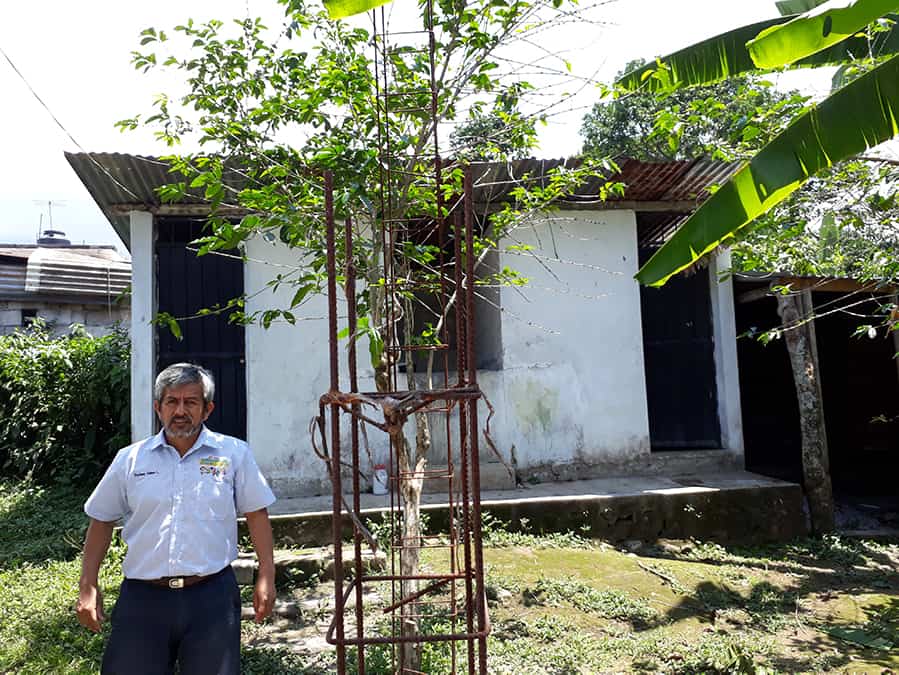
(671, 190)
(64, 274)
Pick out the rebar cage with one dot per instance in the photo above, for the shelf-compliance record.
(432, 586)
(434, 582)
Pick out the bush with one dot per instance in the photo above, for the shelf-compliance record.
(64, 404)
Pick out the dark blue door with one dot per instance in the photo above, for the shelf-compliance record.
(187, 283)
(679, 358)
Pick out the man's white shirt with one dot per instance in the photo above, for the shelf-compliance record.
(180, 513)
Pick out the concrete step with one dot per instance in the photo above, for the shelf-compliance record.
(309, 564)
(312, 606)
(723, 506)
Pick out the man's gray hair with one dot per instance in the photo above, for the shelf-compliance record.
(179, 374)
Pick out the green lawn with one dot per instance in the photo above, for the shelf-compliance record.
(561, 604)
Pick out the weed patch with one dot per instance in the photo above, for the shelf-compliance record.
(499, 534)
(609, 604)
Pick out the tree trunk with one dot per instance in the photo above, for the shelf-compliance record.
(411, 460)
(799, 334)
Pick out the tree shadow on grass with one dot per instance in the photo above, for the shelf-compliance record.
(813, 571)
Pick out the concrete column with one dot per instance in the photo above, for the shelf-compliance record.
(727, 374)
(143, 339)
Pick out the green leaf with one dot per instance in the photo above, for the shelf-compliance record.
(173, 326)
(860, 637)
(301, 294)
(338, 9)
(726, 55)
(861, 115)
(375, 347)
(813, 31)
(711, 60)
(788, 7)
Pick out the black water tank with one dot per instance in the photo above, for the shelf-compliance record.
(53, 238)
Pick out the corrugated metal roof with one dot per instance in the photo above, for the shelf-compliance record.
(65, 274)
(673, 182)
(16, 253)
(53, 271)
(119, 182)
(12, 280)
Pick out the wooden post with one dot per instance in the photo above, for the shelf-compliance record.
(799, 334)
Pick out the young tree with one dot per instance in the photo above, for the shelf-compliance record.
(270, 108)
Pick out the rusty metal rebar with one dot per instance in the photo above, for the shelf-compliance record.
(457, 593)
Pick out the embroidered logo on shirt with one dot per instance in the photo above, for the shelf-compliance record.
(214, 466)
(141, 474)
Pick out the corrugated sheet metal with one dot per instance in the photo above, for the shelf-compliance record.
(64, 274)
(16, 253)
(118, 182)
(56, 271)
(12, 280)
(676, 181)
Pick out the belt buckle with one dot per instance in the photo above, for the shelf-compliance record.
(176, 582)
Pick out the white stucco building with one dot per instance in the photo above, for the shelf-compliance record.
(592, 376)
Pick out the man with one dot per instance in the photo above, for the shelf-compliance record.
(178, 494)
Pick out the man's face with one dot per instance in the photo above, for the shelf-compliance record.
(182, 410)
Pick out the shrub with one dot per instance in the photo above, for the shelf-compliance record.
(64, 404)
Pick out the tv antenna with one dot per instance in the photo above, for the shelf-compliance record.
(50, 203)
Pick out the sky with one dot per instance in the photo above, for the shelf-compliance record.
(76, 58)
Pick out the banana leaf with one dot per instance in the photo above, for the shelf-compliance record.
(726, 55)
(822, 27)
(339, 9)
(859, 116)
(787, 7)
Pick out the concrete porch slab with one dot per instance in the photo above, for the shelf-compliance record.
(730, 506)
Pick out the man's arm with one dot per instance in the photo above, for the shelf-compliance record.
(261, 536)
(90, 601)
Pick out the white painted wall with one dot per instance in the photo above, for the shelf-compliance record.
(572, 388)
(143, 309)
(570, 398)
(287, 371)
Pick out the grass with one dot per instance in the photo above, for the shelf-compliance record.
(40, 534)
(559, 603)
(608, 604)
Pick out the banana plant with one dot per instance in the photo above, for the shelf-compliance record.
(856, 117)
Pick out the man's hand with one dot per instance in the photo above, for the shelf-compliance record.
(264, 594)
(261, 536)
(90, 600)
(90, 607)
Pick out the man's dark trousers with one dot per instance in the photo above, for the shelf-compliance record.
(153, 627)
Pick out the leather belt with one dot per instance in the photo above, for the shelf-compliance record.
(182, 582)
(178, 582)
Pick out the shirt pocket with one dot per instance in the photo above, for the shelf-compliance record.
(214, 499)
